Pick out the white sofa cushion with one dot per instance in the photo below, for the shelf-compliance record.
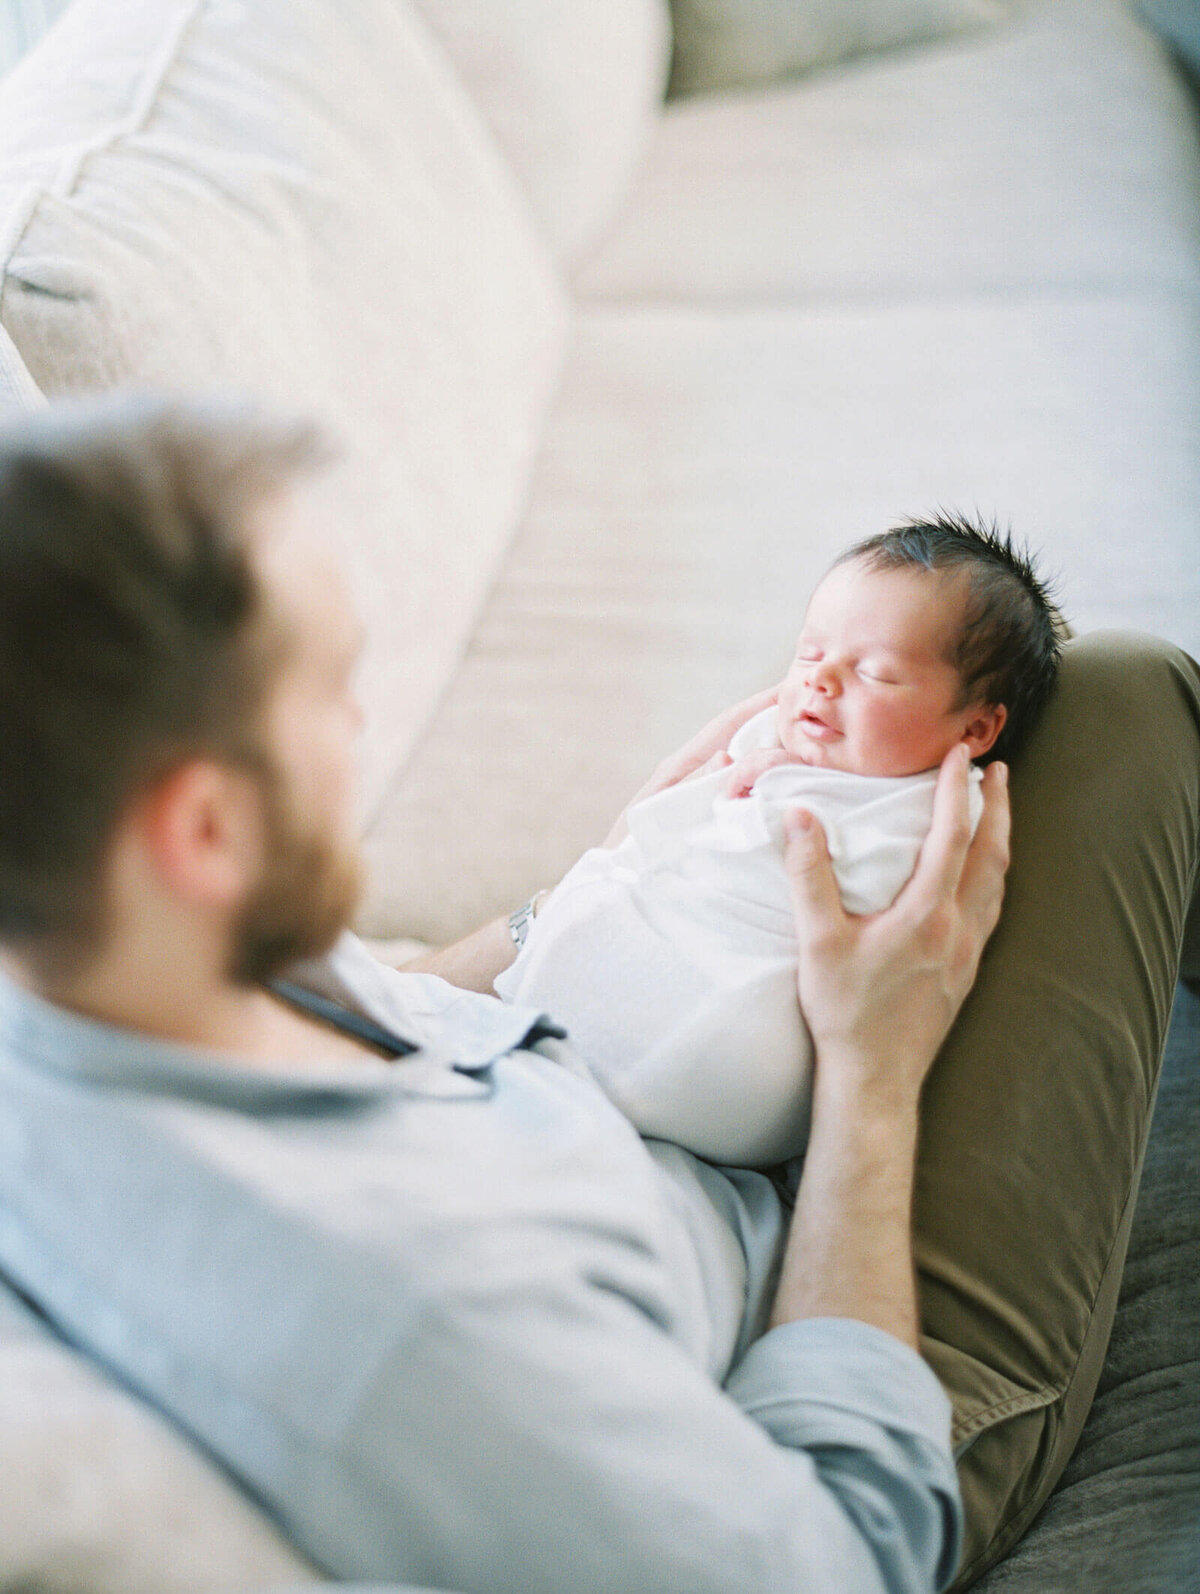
(672, 540)
(722, 44)
(571, 91)
(279, 197)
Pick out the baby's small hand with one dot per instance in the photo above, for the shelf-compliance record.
(747, 770)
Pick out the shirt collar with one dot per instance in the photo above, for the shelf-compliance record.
(458, 1033)
(42, 1034)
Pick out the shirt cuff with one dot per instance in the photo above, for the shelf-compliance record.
(838, 1388)
(804, 1380)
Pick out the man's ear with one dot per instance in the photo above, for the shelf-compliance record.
(202, 829)
(984, 726)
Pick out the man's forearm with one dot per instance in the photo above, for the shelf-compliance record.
(849, 1251)
(472, 963)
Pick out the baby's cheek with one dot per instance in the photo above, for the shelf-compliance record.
(789, 738)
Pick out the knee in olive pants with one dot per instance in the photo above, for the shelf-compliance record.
(1036, 1112)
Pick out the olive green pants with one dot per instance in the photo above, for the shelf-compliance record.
(1036, 1113)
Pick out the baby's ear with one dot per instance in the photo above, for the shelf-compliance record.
(983, 727)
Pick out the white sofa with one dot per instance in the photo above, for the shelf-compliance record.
(614, 382)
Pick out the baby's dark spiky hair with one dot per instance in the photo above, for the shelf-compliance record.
(1009, 643)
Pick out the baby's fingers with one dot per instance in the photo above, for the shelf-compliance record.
(747, 770)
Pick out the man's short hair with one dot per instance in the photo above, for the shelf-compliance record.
(132, 628)
(1009, 643)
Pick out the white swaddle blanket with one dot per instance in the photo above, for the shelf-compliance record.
(671, 959)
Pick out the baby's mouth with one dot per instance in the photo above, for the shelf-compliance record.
(814, 726)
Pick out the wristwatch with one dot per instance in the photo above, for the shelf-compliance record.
(520, 920)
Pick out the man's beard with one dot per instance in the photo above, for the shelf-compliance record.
(308, 892)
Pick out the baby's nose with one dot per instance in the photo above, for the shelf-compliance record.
(823, 679)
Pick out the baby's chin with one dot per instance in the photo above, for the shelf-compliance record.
(823, 755)
(837, 755)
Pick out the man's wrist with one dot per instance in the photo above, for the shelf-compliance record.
(866, 1090)
(849, 1249)
(521, 918)
(867, 1133)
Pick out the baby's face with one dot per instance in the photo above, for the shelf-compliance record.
(870, 689)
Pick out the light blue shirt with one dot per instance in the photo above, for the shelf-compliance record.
(451, 1321)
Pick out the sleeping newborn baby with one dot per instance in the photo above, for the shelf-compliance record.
(671, 957)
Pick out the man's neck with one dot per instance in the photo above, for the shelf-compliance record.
(198, 1008)
(243, 1024)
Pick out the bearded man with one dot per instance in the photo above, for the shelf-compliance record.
(377, 1241)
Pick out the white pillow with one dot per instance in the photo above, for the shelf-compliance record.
(298, 199)
(724, 44)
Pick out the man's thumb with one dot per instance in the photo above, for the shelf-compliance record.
(806, 859)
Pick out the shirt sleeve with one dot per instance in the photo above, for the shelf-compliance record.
(538, 1431)
(874, 1417)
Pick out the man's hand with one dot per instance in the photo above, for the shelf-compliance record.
(707, 750)
(880, 993)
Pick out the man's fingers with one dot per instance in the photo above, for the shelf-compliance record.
(944, 851)
(714, 738)
(814, 886)
(719, 760)
(733, 719)
(716, 735)
(983, 876)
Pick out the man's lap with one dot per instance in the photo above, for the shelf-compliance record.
(1036, 1114)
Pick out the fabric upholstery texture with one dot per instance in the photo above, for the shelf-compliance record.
(1050, 151)
(730, 44)
(279, 198)
(571, 93)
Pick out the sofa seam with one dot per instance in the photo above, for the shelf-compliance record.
(143, 100)
(11, 237)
